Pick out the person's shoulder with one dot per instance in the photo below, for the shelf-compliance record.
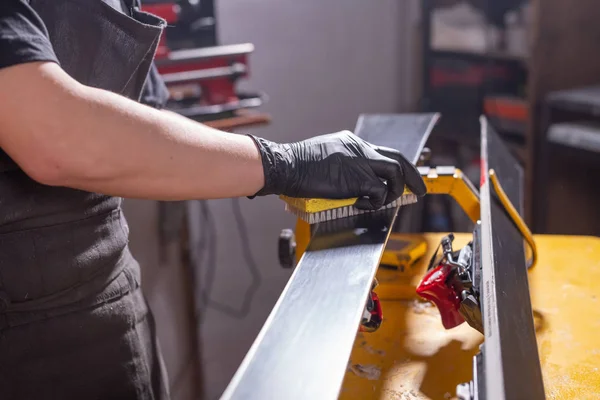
(18, 16)
(23, 35)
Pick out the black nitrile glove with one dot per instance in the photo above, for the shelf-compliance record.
(337, 166)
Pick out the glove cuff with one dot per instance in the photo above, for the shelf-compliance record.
(273, 166)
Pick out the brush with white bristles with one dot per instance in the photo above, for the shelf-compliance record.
(314, 211)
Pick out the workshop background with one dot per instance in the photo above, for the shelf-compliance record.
(211, 270)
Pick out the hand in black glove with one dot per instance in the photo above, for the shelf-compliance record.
(338, 166)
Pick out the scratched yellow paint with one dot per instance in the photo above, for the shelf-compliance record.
(566, 296)
(413, 357)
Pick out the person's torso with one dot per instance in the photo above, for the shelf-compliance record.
(52, 238)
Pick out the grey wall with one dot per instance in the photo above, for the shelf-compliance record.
(322, 63)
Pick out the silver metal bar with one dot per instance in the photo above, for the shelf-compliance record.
(512, 366)
(303, 349)
(205, 53)
(204, 74)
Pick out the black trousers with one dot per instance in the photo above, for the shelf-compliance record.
(100, 347)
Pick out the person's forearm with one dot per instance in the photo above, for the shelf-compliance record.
(97, 141)
(143, 152)
(65, 134)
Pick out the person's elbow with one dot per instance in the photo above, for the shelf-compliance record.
(36, 127)
(43, 156)
(57, 159)
(45, 167)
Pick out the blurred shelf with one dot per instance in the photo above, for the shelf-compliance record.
(478, 56)
(582, 135)
(585, 99)
(240, 119)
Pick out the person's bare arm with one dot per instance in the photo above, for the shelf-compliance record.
(65, 134)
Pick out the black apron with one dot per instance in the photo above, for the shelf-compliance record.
(73, 321)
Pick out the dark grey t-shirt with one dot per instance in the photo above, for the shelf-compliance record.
(24, 38)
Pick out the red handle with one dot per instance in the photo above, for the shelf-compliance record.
(372, 318)
(436, 286)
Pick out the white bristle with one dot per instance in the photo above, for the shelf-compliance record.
(344, 212)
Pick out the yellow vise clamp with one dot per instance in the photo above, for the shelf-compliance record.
(440, 180)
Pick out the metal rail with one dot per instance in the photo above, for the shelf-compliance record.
(511, 361)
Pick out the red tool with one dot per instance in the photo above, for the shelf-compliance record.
(440, 286)
(373, 314)
(215, 69)
(202, 80)
(449, 284)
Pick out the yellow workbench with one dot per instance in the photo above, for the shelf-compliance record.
(412, 356)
